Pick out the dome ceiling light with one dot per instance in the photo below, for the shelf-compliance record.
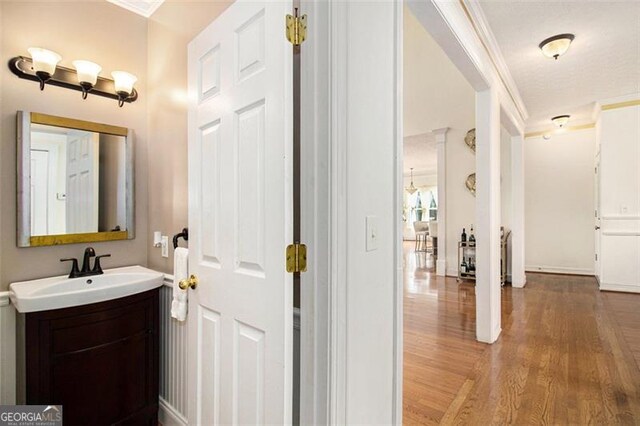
(561, 120)
(556, 46)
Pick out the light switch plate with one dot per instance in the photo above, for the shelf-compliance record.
(372, 233)
(165, 246)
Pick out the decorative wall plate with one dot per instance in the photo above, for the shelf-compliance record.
(470, 139)
(470, 183)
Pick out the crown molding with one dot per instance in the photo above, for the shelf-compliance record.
(141, 7)
(481, 26)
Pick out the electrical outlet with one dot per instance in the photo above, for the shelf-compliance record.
(165, 246)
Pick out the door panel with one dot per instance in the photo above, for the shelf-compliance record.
(240, 217)
(82, 182)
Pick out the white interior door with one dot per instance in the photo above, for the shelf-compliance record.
(39, 192)
(240, 217)
(82, 182)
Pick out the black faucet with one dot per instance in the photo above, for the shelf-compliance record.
(86, 270)
(89, 252)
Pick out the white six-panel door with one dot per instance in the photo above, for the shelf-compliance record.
(240, 217)
(82, 181)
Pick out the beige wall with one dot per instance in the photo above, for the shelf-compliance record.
(98, 31)
(437, 95)
(171, 28)
(155, 50)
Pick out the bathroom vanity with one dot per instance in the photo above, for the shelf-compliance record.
(96, 352)
(99, 361)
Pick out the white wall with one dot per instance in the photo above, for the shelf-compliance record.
(620, 198)
(505, 190)
(559, 203)
(437, 95)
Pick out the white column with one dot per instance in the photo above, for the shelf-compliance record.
(441, 146)
(518, 277)
(487, 216)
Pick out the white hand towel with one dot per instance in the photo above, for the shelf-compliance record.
(180, 272)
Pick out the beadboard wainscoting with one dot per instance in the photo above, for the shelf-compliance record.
(173, 362)
(7, 350)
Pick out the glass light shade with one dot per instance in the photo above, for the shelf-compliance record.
(561, 120)
(44, 60)
(123, 81)
(87, 71)
(556, 46)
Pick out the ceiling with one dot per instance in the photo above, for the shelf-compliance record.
(602, 62)
(141, 7)
(420, 153)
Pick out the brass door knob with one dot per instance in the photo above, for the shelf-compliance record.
(192, 282)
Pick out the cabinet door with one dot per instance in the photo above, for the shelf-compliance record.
(99, 361)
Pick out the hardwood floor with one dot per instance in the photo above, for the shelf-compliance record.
(568, 353)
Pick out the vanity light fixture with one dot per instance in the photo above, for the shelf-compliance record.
(87, 75)
(412, 189)
(44, 63)
(43, 67)
(123, 82)
(556, 46)
(561, 120)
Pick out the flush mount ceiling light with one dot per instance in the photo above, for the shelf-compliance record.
(411, 189)
(561, 120)
(43, 67)
(556, 46)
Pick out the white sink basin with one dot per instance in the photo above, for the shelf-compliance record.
(63, 292)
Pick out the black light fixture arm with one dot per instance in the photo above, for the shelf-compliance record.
(67, 78)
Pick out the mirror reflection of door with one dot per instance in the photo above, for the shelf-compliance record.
(39, 192)
(48, 164)
(82, 182)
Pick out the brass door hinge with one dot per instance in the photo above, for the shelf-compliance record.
(296, 258)
(296, 28)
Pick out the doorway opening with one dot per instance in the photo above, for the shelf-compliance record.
(439, 212)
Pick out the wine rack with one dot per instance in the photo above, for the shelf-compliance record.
(467, 250)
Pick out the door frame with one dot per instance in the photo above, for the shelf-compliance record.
(323, 216)
(461, 31)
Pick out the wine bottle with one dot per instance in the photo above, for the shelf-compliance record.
(472, 238)
(463, 266)
(472, 267)
(463, 237)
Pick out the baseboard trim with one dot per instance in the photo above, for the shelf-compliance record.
(619, 288)
(168, 416)
(559, 270)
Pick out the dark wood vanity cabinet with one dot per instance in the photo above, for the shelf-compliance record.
(99, 361)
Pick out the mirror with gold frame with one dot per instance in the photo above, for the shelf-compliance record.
(75, 181)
